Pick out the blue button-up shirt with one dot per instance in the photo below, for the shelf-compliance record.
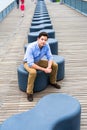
(34, 53)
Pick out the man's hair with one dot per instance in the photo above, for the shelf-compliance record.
(43, 34)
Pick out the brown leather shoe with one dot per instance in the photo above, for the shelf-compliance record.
(56, 85)
(30, 97)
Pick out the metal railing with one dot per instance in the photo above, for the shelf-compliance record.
(79, 5)
(5, 8)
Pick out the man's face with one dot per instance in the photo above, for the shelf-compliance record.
(42, 41)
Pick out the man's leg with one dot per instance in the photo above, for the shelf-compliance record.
(42, 63)
(31, 79)
(53, 75)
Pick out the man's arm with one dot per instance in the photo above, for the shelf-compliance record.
(46, 70)
(49, 64)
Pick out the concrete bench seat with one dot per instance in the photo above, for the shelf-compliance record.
(42, 79)
(41, 15)
(40, 27)
(52, 112)
(53, 45)
(41, 18)
(32, 36)
(40, 7)
(40, 84)
(40, 22)
(41, 12)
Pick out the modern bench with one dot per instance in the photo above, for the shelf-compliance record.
(40, 27)
(40, 15)
(52, 112)
(41, 18)
(40, 84)
(42, 79)
(40, 22)
(40, 12)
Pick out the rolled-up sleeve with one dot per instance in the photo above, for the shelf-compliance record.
(29, 57)
(48, 53)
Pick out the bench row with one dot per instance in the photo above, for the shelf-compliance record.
(42, 80)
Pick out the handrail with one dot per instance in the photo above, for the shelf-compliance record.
(79, 5)
(4, 4)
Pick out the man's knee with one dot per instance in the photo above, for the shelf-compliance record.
(54, 65)
(33, 72)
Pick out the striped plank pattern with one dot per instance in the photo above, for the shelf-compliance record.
(71, 32)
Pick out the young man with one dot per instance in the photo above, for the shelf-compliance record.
(33, 61)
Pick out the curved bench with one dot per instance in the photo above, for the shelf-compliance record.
(41, 18)
(33, 35)
(40, 7)
(40, 12)
(40, 27)
(61, 66)
(52, 112)
(42, 79)
(40, 15)
(41, 22)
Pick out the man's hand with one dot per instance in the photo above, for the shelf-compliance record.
(47, 70)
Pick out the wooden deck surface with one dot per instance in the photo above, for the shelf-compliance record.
(71, 32)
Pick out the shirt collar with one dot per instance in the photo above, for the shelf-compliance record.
(39, 47)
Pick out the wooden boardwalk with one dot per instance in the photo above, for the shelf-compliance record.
(71, 32)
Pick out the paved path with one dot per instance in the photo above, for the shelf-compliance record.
(71, 32)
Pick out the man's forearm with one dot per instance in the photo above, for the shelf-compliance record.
(49, 64)
(37, 67)
(46, 70)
